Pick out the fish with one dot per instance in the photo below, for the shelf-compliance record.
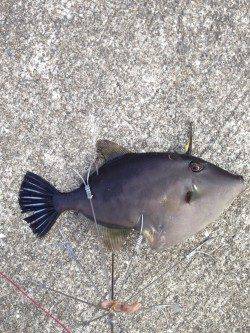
(177, 194)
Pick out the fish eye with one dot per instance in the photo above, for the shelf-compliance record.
(196, 166)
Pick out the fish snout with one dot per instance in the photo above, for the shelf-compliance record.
(242, 181)
(238, 177)
(230, 183)
(239, 182)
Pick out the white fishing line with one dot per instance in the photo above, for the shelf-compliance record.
(71, 253)
(164, 271)
(90, 196)
(87, 322)
(140, 238)
(134, 256)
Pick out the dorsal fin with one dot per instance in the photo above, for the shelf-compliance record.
(109, 150)
(189, 146)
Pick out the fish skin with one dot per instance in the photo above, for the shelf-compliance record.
(155, 185)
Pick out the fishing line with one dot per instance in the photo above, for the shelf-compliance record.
(35, 302)
(134, 256)
(212, 288)
(194, 251)
(42, 285)
(112, 295)
(196, 303)
(173, 305)
(167, 271)
(148, 271)
(71, 253)
(112, 276)
(87, 322)
(102, 298)
(111, 322)
(90, 196)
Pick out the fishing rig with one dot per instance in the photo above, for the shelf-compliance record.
(111, 304)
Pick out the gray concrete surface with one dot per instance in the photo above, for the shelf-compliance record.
(134, 72)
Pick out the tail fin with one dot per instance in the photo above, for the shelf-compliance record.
(36, 195)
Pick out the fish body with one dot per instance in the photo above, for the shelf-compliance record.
(177, 195)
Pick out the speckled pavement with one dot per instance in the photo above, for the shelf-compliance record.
(134, 72)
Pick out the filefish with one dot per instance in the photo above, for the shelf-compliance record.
(177, 194)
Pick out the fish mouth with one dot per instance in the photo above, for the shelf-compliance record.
(239, 183)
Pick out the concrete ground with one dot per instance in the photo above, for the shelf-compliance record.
(134, 72)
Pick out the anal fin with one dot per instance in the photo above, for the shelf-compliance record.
(113, 238)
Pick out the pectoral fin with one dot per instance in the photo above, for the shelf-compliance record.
(109, 150)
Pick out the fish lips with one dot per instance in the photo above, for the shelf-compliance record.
(236, 185)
